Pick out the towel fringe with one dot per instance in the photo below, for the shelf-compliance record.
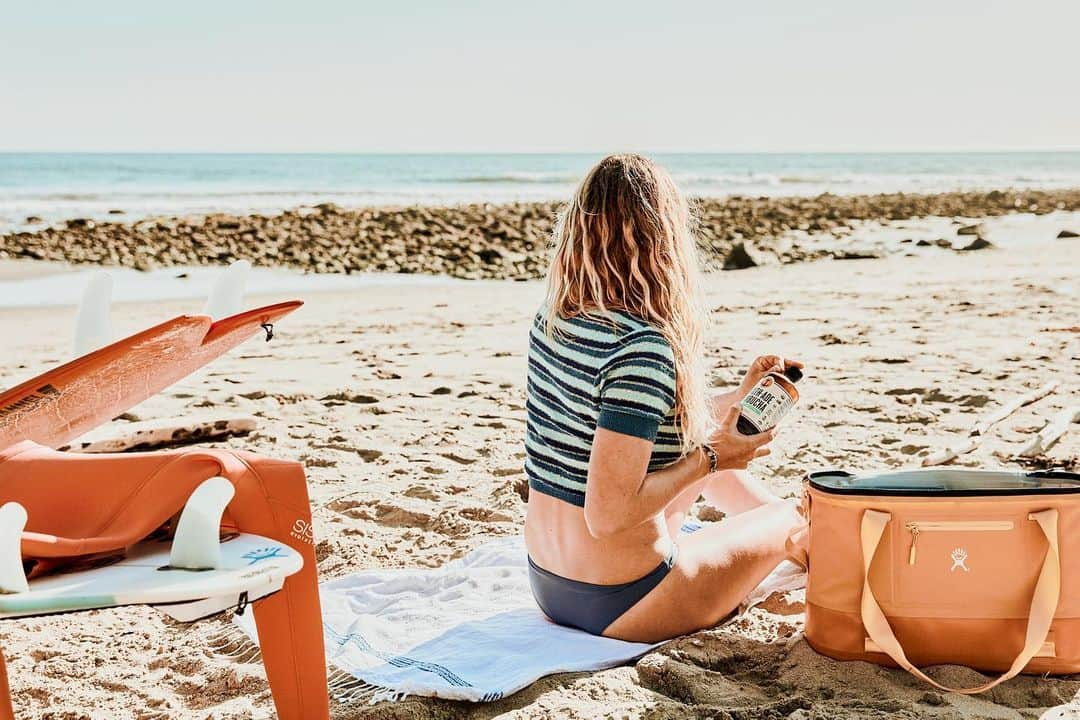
(228, 642)
(347, 689)
(231, 643)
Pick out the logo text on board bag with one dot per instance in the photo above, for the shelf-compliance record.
(302, 531)
(959, 557)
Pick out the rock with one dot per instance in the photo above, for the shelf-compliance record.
(924, 243)
(976, 244)
(490, 256)
(116, 211)
(969, 230)
(494, 241)
(708, 513)
(32, 219)
(943, 243)
(1061, 235)
(932, 698)
(739, 258)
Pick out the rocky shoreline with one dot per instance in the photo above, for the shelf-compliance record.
(498, 241)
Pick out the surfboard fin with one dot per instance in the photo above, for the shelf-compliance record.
(196, 544)
(93, 326)
(227, 293)
(12, 522)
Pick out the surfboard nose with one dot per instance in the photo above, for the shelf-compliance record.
(250, 320)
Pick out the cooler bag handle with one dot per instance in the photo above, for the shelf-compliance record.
(1043, 601)
(797, 543)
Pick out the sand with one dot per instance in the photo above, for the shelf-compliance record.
(407, 405)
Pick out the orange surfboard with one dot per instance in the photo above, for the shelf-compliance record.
(58, 406)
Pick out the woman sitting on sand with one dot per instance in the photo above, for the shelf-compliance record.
(621, 436)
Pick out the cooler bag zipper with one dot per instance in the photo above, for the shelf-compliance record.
(915, 527)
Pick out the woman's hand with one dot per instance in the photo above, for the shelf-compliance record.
(734, 451)
(762, 366)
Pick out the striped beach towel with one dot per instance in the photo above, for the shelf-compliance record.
(469, 630)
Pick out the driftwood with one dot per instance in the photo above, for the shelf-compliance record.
(947, 455)
(1012, 406)
(971, 442)
(164, 432)
(1050, 434)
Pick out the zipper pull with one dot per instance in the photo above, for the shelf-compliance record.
(914, 530)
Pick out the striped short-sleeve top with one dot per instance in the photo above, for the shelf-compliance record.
(613, 371)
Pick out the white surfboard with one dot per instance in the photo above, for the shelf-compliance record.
(93, 317)
(250, 564)
(227, 293)
(191, 574)
(93, 324)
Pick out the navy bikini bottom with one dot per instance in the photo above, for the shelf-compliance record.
(590, 607)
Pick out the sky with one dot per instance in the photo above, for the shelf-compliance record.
(539, 76)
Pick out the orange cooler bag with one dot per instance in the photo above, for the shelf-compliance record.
(975, 568)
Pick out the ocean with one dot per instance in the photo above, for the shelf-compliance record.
(58, 186)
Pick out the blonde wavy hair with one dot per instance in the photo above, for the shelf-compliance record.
(625, 242)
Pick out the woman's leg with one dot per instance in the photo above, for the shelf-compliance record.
(675, 512)
(729, 491)
(717, 568)
(736, 491)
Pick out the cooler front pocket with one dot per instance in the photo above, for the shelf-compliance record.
(982, 567)
(917, 527)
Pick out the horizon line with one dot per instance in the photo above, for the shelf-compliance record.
(926, 151)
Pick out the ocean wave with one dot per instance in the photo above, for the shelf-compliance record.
(525, 178)
(727, 179)
(761, 178)
(176, 194)
(817, 180)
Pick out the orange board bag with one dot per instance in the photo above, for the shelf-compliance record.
(80, 505)
(930, 567)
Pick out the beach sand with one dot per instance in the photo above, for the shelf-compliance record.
(407, 405)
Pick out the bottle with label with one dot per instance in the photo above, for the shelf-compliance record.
(769, 401)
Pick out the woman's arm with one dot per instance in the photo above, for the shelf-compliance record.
(622, 494)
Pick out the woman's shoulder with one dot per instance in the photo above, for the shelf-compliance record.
(614, 333)
(642, 345)
(614, 323)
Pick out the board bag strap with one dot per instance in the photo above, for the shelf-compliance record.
(1043, 601)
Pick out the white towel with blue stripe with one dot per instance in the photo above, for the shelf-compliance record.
(469, 630)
